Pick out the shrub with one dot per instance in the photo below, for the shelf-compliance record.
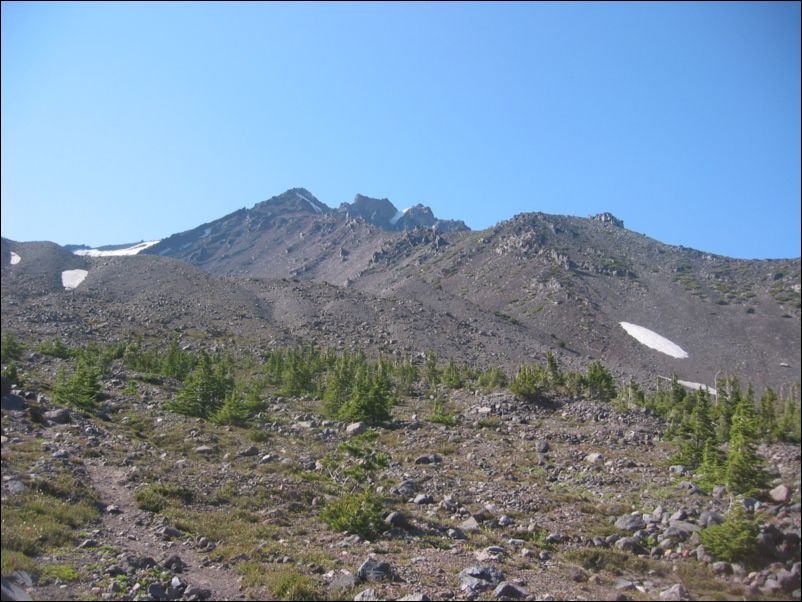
(734, 539)
(55, 348)
(600, 383)
(204, 391)
(234, 411)
(81, 389)
(370, 399)
(359, 513)
(529, 383)
(10, 348)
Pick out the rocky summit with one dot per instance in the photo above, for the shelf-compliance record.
(366, 403)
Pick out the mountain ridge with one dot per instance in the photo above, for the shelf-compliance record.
(533, 284)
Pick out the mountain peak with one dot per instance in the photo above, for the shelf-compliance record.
(383, 213)
(295, 198)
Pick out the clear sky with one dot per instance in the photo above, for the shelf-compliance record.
(123, 122)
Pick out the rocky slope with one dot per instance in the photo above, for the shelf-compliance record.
(511, 501)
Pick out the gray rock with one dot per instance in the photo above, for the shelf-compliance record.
(689, 487)
(628, 544)
(204, 449)
(22, 578)
(356, 428)
(14, 487)
(373, 570)
(248, 452)
(780, 494)
(429, 459)
(58, 416)
(510, 591)
(174, 563)
(788, 580)
(469, 524)
(542, 446)
(156, 592)
(13, 403)
(407, 488)
(624, 585)
(722, 568)
(480, 578)
(397, 520)
(366, 595)
(416, 597)
(684, 526)
(422, 499)
(343, 580)
(114, 570)
(456, 534)
(197, 593)
(675, 592)
(679, 515)
(630, 522)
(594, 458)
(168, 532)
(708, 518)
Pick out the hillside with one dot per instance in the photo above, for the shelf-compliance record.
(297, 402)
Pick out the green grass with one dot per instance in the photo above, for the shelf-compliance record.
(156, 497)
(64, 573)
(283, 582)
(614, 561)
(35, 522)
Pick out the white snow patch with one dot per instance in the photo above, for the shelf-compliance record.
(696, 386)
(133, 250)
(654, 341)
(15, 259)
(311, 204)
(398, 215)
(206, 232)
(72, 278)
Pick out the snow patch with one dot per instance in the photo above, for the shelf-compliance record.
(206, 232)
(15, 259)
(70, 279)
(311, 203)
(697, 386)
(133, 250)
(398, 215)
(653, 340)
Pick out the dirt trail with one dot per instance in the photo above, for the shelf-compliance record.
(126, 531)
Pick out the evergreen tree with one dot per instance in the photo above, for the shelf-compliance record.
(729, 396)
(431, 370)
(600, 383)
(405, 375)
(554, 377)
(204, 390)
(81, 389)
(631, 395)
(338, 385)
(492, 378)
(529, 383)
(452, 377)
(744, 470)
(233, 411)
(768, 418)
(296, 378)
(370, 399)
(701, 432)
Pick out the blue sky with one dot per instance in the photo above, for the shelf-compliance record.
(123, 122)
